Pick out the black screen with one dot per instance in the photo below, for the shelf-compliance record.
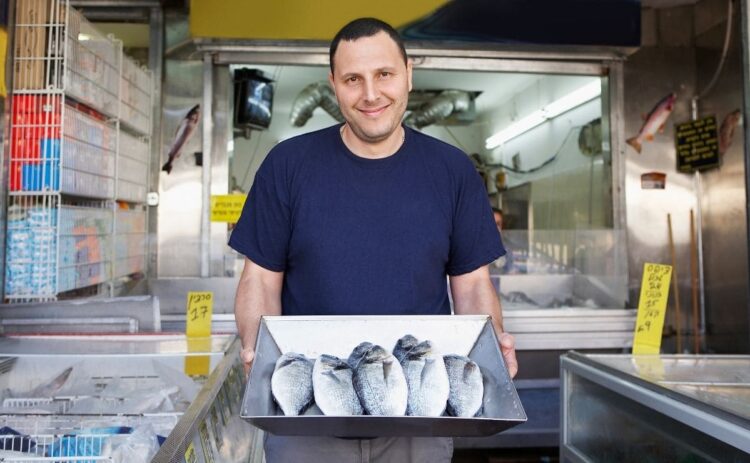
(253, 99)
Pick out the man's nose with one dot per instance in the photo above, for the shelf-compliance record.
(371, 90)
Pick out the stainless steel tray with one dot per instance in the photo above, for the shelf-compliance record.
(468, 335)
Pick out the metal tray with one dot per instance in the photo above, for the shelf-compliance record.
(468, 335)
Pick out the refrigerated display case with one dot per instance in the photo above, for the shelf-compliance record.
(655, 408)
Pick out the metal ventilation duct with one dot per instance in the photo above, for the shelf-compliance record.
(312, 96)
(442, 106)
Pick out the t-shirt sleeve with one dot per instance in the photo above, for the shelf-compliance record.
(263, 230)
(475, 240)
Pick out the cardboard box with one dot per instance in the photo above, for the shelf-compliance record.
(30, 44)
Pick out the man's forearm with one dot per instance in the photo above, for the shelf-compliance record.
(258, 294)
(479, 298)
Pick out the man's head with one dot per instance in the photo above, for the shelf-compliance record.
(364, 27)
(371, 77)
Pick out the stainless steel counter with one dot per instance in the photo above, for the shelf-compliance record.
(655, 408)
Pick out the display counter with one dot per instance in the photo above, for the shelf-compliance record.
(123, 398)
(655, 408)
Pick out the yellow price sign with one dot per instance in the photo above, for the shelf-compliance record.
(227, 208)
(198, 331)
(200, 306)
(190, 455)
(652, 307)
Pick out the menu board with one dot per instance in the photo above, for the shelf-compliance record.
(697, 144)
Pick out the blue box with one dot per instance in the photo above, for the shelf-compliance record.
(40, 177)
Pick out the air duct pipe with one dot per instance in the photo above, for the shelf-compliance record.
(439, 108)
(312, 96)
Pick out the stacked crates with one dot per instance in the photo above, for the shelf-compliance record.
(64, 152)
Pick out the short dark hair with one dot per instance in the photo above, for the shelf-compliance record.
(365, 27)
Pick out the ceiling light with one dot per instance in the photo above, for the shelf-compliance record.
(573, 99)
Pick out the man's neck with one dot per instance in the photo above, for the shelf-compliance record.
(373, 150)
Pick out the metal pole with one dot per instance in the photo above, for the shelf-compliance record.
(746, 127)
(698, 188)
(206, 170)
(156, 65)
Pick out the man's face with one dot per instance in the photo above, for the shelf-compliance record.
(372, 85)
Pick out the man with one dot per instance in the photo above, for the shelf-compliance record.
(365, 218)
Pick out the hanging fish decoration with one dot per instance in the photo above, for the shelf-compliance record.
(182, 135)
(727, 128)
(654, 121)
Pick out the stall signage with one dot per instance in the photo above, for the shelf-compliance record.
(227, 208)
(697, 144)
(190, 455)
(652, 307)
(198, 331)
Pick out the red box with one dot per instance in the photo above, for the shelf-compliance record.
(34, 117)
(14, 176)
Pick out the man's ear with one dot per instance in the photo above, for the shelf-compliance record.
(409, 68)
(330, 81)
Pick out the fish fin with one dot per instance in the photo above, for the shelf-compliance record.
(429, 365)
(649, 137)
(332, 375)
(644, 116)
(386, 370)
(634, 143)
(167, 167)
(661, 129)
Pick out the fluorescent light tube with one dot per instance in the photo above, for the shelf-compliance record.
(573, 99)
(515, 129)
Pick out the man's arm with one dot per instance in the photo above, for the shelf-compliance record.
(473, 294)
(258, 294)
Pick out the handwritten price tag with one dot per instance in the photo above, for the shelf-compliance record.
(652, 307)
(200, 306)
(198, 331)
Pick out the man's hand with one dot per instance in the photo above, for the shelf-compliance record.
(508, 348)
(247, 355)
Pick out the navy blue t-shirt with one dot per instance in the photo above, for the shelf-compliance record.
(357, 236)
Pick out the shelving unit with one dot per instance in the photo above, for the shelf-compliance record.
(79, 148)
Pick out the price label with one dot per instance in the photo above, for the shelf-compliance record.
(190, 455)
(198, 331)
(652, 307)
(200, 306)
(227, 208)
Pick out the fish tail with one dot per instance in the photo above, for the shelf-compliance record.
(167, 167)
(635, 143)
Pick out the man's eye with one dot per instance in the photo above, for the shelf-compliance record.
(385, 74)
(352, 79)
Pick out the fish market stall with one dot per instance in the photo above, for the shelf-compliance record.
(655, 408)
(116, 398)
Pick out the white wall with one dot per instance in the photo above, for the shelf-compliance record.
(541, 143)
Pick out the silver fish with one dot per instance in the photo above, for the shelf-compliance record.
(182, 135)
(426, 376)
(466, 387)
(291, 383)
(378, 380)
(654, 122)
(333, 387)
(726, 131)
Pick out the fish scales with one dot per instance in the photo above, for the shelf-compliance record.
(466, 386)
(334, 388)
(378, 381)
(291, 383)
(426, 376)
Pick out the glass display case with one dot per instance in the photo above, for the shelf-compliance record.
(655, 408)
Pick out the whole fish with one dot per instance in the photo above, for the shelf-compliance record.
(378, 381)
(466, 386)
(727, 128)
(182, 135)
(291, 383)
(333, 387)
(50, 388)
(426, 376)
(654, 122)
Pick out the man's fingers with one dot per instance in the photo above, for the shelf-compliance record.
(247, 356)
(508, 347)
